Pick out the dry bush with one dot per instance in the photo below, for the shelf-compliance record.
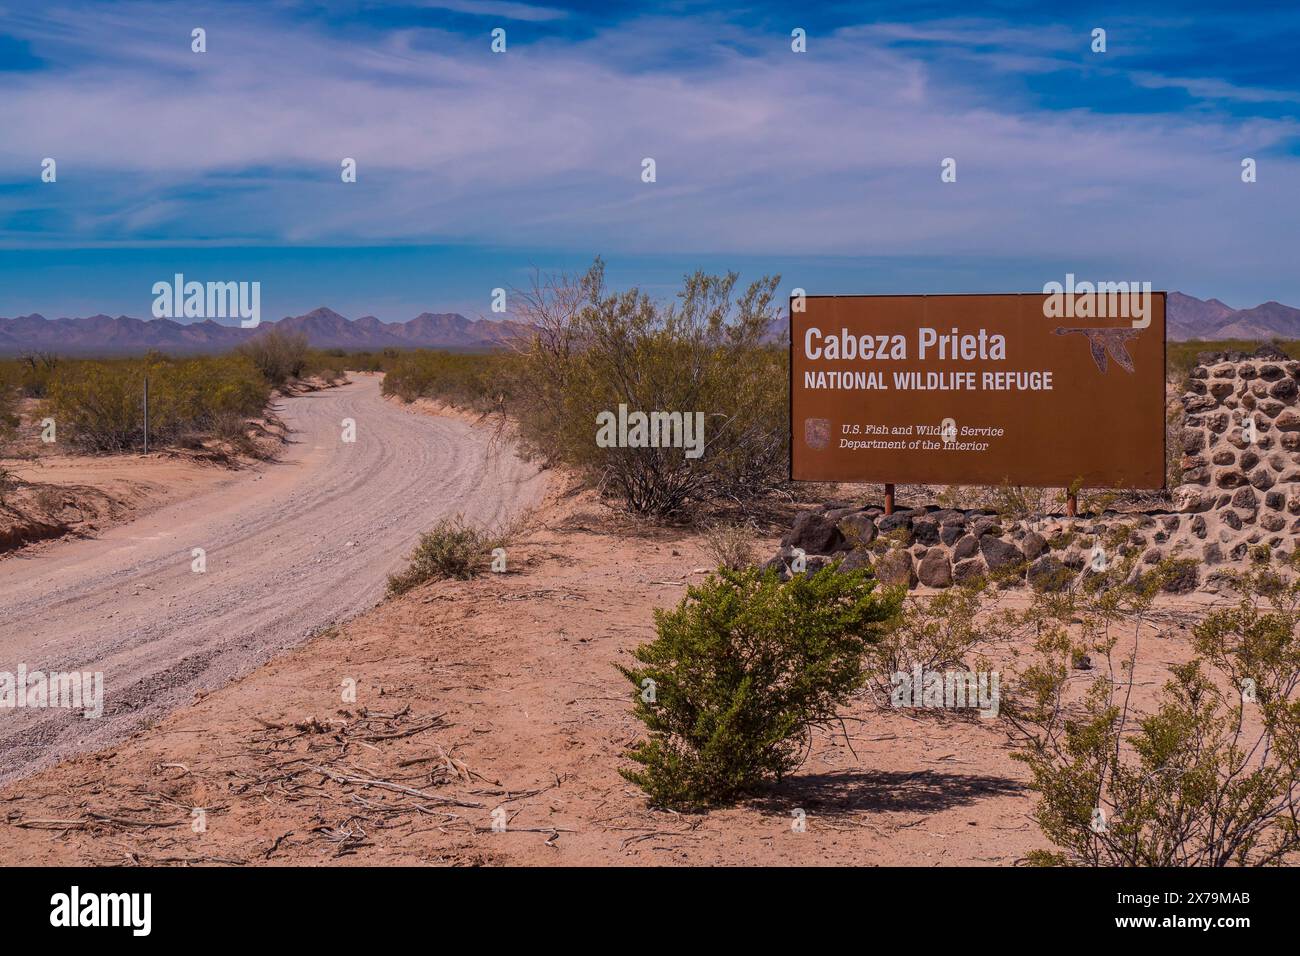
(279, 356)
(49, 499)
(454, 548)
(9, 483)
(596, 350)
(731, 545)
(942, 632)
(1013, 502)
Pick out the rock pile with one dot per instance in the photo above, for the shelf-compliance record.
(1240, 490)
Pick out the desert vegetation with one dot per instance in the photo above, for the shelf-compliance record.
(1206, 772)
(596, 350)
(740, 673)
(480, 382)
(453, 548)
(1209, 776)
(98, 406)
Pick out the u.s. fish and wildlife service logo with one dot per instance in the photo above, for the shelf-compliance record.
(817, 433)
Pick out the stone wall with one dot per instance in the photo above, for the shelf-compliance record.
(1240, 465)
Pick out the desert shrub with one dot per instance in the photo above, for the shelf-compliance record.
(1210, 776)
(942, 632)
(329, 364)
(1011, 502)
(740, 673)
(730, 545)
(453, 548)
(477, 381)
(9, 397)
(279, 356)
(36, 369)
(99, 405)
(597, 350)
(49, 499)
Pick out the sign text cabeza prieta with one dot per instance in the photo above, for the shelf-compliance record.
(1033, 389)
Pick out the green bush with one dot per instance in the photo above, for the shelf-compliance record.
(35, 369)
(99, 405)
(452, 549)
(477, 381)
(9, 396)
(740, 673)
(1209, 775)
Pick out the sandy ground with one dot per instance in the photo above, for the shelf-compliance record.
(300, 544)
(496, 702)
(85, 495)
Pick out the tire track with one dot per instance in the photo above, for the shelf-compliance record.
(304, 544)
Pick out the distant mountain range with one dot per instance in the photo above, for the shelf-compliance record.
(1188, 318)
(1191, 318)
(324, 328)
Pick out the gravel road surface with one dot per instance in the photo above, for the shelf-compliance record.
(306, 542)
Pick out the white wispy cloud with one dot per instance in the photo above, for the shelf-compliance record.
(758, 150)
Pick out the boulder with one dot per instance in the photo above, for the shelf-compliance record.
(1033, 545)
(858, 529)
(967, 547)
(899, 519)
(815, 534)
(950, 533)
(925, 531)
(895, 567)
(999, 554)
(856, 560)
(966, 571)
(934, 571)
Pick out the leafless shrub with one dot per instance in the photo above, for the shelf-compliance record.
(730, 545)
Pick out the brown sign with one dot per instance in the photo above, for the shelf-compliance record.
(1036, 390)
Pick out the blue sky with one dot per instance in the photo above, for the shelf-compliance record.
(475, 167)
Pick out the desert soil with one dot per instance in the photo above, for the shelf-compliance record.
(292, 547)
(496, 702)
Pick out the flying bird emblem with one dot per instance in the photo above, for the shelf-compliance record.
(1103, 341)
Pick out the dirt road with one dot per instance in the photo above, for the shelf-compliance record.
(306, 543)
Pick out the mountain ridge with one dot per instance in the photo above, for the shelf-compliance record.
(102, 334)
(1188, 318)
